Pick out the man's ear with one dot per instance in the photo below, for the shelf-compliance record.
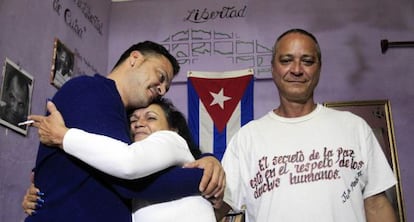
(135, 54)
(135, 58)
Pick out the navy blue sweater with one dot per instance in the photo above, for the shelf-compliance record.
(75, 191)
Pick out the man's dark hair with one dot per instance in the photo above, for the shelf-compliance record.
(148, 48)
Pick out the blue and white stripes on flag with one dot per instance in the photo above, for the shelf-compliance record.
(219, 103)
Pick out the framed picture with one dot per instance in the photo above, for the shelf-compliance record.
(377, 113)
(16, 97)
(234, 216)
(62, 64)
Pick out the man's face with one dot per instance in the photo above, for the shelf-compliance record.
(16, 102)
(296, 68)
(145, 121)
(63, 63)
(150, 78)
(63, 57)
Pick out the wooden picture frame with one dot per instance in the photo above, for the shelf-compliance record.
(235, 216)
(16, 96)
(62, 64)
(377, 113)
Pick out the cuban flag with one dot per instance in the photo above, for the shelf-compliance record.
(219, 103)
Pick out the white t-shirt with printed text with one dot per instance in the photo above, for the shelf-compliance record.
(318, 167)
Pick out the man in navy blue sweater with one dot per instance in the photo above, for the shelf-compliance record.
(75, 191)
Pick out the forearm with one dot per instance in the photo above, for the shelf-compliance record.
(159, 151)
(379, 209)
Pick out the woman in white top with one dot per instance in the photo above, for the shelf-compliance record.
(162, 139)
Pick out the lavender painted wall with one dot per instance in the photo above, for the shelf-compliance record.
(349, 34)
(27, 36)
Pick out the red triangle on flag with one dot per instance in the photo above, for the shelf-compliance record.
(228, 93)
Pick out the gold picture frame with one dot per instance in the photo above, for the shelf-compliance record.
(235, 216)
(377, 113)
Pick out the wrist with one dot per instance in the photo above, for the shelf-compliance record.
(61, 136)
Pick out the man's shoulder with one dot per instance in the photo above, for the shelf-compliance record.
(255, 125)
(85, 90)
(86, 79)
(342, 117)
(88, 83)
(340, 113)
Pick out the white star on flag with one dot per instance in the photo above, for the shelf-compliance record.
(219, 98)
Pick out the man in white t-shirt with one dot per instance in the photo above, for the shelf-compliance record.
(303, 161)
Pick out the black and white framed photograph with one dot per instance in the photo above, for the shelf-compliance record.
(16, 97)
(62, 64)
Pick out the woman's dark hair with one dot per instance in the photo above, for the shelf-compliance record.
(177, 121)
(149, 48)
